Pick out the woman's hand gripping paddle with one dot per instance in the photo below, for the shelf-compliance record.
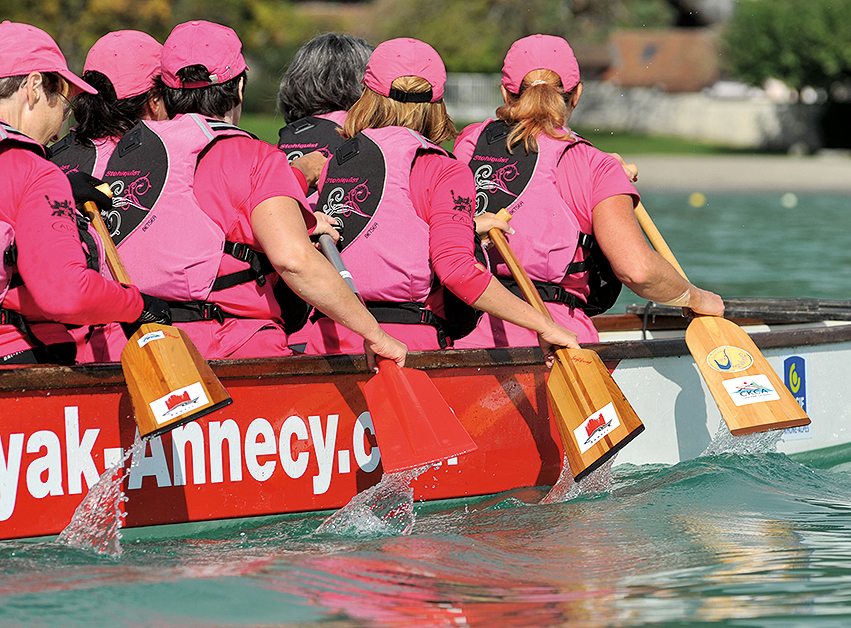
(414, 426)
(169, 381)
(749, 394)
(594, 418)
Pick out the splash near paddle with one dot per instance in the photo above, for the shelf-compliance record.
(748, 392)
(414, 426)
(168, 379)
(594, 418)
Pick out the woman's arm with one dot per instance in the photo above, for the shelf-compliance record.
(279, 228)
(638, 266)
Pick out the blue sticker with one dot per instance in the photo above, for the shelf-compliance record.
(795, 377)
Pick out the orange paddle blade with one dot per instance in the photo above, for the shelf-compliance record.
(169, 381)
(414, 426)
(594, 418)
(748, 392)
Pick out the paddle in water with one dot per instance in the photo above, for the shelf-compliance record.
(414, 426)
(594, 418)
(749, 394)
(168, 379)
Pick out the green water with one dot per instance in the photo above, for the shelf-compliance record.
(752, 246)
(757, 540)
(729, 540)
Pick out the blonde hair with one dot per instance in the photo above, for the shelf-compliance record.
(374, 111)
(540, 108)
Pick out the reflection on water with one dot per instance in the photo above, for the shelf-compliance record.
(755, 536)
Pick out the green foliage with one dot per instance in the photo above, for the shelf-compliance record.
(473, 35)
(801, 42)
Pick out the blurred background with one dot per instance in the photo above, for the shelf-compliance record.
(740, 75)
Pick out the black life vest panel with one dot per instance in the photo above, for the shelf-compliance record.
(309, 134)
(71, 155)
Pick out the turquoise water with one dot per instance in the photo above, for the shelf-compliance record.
(728, 540)
(725, 540)
(752, 245)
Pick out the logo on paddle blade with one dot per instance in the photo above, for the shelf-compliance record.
(596, 427)
(729, 359)
(154, 335)
(179, 402)
(751, 389)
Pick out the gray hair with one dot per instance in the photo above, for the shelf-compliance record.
(325, 75)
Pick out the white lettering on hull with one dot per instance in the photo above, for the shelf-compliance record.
(220, 447)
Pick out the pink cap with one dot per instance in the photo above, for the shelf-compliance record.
(539, 52)
(214, 46)
(25, 49)
(405, 57)
(129, 59)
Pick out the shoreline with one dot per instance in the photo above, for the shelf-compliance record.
(828, 173)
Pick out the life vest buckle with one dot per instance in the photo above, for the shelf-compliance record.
(212, 312)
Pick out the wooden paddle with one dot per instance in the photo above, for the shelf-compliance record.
(594, 418)
(414, 426)
(749, 394)
(168, 379)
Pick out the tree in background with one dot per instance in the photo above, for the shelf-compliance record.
(800, 42)
(474, 35)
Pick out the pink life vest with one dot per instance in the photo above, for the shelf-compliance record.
(385, 242)
(74, 156)
(170, 247)
(11, 137)
(547, 230)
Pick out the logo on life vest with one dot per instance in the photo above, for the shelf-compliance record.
(750, 389)
(729, 359)
(595, 427)
(179, 402)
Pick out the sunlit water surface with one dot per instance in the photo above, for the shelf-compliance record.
(748, 538)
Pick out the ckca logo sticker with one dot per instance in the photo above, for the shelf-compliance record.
(750, 389)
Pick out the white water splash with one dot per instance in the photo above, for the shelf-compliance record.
(96, 524)
(758, 443)
(386, 508)
(565, 489)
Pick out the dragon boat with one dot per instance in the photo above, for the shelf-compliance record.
(298, 436)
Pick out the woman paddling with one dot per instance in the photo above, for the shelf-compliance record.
(226, 224)
(45, 275)
(406, 210)
(565, 196)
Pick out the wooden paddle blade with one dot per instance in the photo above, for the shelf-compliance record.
(594, 418)
(169, 381)
(414, 426)
(749, 394)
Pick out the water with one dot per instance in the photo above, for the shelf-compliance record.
(740, 536)
(757, 245)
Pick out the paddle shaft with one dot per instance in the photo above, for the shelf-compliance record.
(116, 266)
(656, 239)
(530, 292)
(329, 249)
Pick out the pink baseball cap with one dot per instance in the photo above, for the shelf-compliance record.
(129, 59)
(405, 57)
(25, 49)
(539, 52)
(214, 46)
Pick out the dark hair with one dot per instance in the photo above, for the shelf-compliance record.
(213, 100)
(103, 114)
(325, 75)
(52, 82)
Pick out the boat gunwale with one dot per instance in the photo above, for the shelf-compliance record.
(48, 377)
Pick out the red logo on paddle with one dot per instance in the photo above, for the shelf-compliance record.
(175, 400)
(594, 424)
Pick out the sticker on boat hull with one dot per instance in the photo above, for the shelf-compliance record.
(795, 376)
(750, 389)
(728, 359)
(179, 402)
(596, 427)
